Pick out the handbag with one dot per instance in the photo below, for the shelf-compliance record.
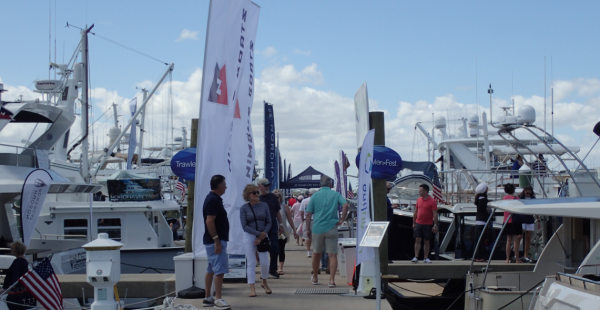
(264, 244)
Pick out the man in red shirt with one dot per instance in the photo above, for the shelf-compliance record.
(424, 222)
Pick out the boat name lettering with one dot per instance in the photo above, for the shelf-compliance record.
(185, 164)
(386, 162)
(77, 261)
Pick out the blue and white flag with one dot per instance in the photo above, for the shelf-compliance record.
(33, 195)
(132, 139)
(365, 166)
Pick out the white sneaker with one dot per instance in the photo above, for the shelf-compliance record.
(308, 254)
(221, 304)
(208, 302)
(414, 260)
(427, 261)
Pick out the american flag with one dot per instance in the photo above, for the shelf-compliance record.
(350, 193)
(437, 189)
(42, 283)
(182, 187)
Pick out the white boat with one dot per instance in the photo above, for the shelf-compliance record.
(69, 217)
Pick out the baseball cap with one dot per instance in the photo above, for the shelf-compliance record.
(263, 181)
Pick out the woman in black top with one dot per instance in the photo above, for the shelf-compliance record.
(256, 222)
(481, 201)
(19, 267)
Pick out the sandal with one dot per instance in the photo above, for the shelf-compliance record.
(280, 272)
(331, 285)
(266, 291)
(312, 279)
(252, 295)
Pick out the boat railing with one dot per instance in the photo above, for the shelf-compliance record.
(595, 266)
(582, 283)
(534, 298)
(58, 237)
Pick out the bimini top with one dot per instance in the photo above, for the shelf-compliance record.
(581, 207)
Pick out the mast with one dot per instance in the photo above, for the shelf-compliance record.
(85, 167)
(141, 144)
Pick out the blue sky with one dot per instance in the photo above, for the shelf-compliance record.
(315, 53)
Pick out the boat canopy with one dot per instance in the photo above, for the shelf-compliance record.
(13, 178)
(580, 207)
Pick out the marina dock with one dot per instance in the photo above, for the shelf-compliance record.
(292, 291)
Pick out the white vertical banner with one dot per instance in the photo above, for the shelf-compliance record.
(242, 141)
(226, 99)
(361, 108)
(33, 195)
(365, 166)
(132, 138)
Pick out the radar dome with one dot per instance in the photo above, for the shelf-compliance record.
(473, 120)
(440, 122)
(113, 133)
(526, 115)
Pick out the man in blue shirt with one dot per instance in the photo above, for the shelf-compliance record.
(323, 231)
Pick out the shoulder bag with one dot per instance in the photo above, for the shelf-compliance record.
(264, 244)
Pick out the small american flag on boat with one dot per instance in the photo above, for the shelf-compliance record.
(182, 187)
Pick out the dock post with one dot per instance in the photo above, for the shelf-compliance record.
(376, 121)
(190, 195)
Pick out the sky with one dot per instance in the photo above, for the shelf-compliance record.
(417, 57)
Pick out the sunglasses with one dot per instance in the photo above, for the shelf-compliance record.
(255, 192)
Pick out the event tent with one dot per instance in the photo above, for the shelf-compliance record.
(309, 178)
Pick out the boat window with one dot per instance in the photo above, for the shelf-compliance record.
(76, 228)
(110, 226)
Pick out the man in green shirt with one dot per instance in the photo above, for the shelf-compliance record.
(323, 231)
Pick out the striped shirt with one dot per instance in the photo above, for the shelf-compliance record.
(262, 220)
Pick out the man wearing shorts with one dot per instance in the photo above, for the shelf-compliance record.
(424, 222)
(216, 236)
(322, 229)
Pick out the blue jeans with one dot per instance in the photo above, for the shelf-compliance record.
(274, 250)
(324, 260)
(217, 263)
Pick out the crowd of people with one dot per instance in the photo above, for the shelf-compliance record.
(268, 221)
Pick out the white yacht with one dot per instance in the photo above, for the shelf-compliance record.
(70, 217)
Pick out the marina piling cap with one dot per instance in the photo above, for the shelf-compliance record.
(263, 181)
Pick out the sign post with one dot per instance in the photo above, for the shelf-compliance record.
(372, 239)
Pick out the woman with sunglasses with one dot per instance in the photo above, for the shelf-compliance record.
(256, 222)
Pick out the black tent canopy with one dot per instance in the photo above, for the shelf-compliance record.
(309, 178)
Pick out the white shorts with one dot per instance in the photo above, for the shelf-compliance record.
(528, 227)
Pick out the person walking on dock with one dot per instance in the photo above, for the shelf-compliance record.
(271, 200)
(256, 223)
(323, 231)
(216, 236)
(424, 222)
(303, 206)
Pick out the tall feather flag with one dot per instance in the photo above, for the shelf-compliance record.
(43, 284)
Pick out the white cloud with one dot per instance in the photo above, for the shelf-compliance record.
(305, 53)
(268, 52)
(314, 125)
(289, 75)
(187, 34)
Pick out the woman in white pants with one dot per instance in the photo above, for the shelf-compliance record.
(256, 222)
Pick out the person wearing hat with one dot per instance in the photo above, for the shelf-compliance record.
(273, 202)
(481, 201)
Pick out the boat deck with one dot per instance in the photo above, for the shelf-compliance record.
(444, 269)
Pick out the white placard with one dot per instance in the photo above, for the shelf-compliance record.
(374, 234)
